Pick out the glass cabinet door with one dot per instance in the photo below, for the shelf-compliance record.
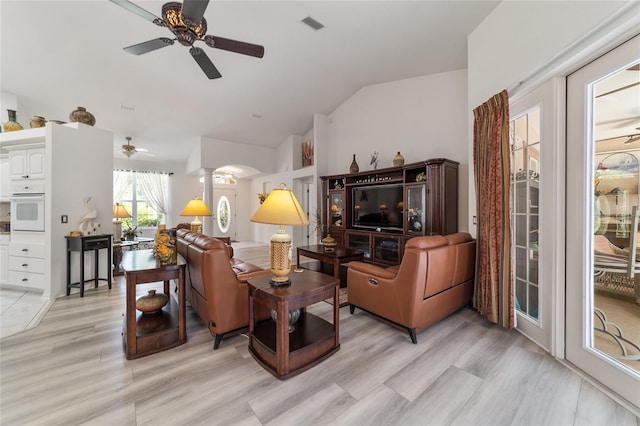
(359, 242)
(386, 249)
(336, 209)
(415, 209)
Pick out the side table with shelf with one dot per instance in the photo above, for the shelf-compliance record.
(313, 339)
(147, 334)
(83, 244)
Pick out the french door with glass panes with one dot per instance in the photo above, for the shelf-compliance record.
(536, 196)
(603, 175)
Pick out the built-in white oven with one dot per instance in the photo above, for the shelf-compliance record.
(27, 212)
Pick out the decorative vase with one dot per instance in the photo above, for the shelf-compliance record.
(294, 316)
(329, 243)
(353, 168)
(12, 125)
(37, 121)
(81, 115)
(152, 302)
(398, 160)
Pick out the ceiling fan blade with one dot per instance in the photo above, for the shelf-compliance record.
(193, 10)
(149, 46)
(205, 63)
(234, 46)
(134, 8)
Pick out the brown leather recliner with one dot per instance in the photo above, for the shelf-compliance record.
(434, 279)
(217, 284)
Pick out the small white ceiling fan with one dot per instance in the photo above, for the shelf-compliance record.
(128, 149)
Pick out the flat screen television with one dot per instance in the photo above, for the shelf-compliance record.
(377, 207)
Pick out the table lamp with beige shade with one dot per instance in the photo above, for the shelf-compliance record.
(119, 212)
(280, 208)
(196, 207)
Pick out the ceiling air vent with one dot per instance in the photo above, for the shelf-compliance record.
(312, 23)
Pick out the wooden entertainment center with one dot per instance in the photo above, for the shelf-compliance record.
(379, 210)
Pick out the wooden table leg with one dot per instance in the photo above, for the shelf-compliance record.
(336, 314)
(182, 306)
(282, 338)
(336, 268)
(130, 316)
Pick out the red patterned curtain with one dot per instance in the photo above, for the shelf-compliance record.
(494, 290)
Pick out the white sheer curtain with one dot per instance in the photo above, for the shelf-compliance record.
(155, 187)
(119, 184)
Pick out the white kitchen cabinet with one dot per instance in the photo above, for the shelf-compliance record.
(5, 179)
(27, 163)
(26, 265)
(4, 260)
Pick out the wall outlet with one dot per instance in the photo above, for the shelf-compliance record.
(64, 218)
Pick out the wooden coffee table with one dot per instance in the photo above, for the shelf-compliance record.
(334, 256)
(285, 354)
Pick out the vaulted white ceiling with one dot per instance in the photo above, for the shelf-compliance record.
(57, 55)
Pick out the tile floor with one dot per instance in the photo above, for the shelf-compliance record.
(20, 310)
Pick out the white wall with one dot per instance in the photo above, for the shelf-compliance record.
(217, 153)
(517, 39)
(423, 117)
(244, 209)
(81, 166)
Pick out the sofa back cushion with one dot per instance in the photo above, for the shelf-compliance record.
(450, 260)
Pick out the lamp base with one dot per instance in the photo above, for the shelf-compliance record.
(117, 231)
(279, 282)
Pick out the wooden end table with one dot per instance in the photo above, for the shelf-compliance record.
(147, 334)
(285, 354)
(334, 256)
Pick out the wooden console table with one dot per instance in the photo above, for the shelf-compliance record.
(285, 354)
(147, 334)
(83, 244)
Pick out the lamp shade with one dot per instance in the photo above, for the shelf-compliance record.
(280, 208)
(120, 212)
(196, 207)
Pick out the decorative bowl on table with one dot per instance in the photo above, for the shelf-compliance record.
(151, 303)
(329, 242)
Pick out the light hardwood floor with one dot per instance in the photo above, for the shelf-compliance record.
(464, 371)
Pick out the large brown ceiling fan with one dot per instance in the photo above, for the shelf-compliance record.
(186, 22)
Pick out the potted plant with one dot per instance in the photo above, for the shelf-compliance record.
(130, 233)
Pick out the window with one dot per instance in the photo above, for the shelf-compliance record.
(144, 195)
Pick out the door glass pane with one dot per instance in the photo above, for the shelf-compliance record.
(224, 214)
(525, 187)
(616, 175)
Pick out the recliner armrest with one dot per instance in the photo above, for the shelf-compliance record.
(376, 271)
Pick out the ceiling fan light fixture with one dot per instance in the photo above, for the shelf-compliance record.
(128, 149)
(186, 32)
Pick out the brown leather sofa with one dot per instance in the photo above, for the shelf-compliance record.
(216, 284)
(434, 279)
